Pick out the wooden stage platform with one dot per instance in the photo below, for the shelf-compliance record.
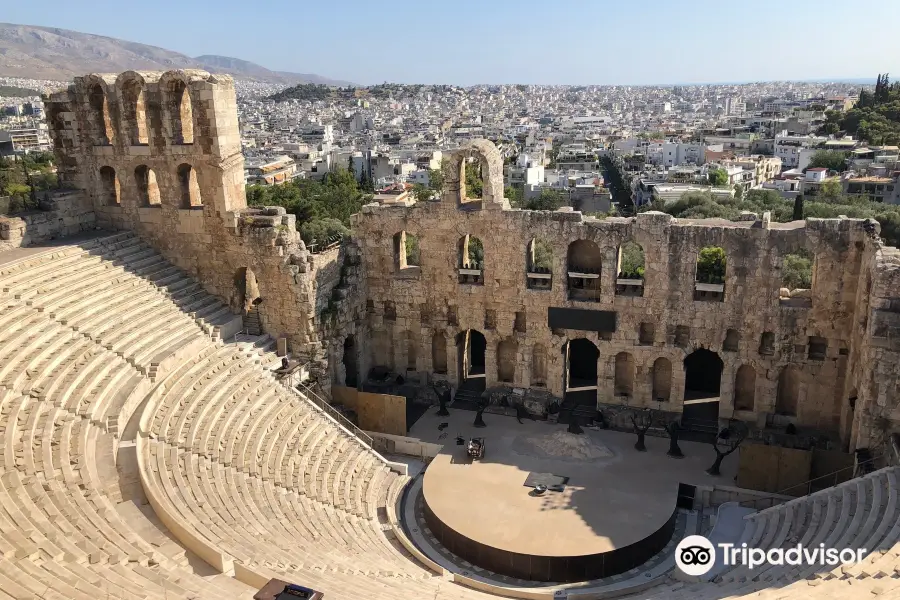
(617, 508)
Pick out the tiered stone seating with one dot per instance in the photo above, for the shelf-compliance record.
(862, 513)
(247, 474)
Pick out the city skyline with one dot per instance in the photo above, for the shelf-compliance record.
(600, 43)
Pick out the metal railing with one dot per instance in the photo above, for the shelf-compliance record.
(307, 392)
(774, 498)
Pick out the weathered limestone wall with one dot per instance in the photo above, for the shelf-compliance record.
(340, 311)
(159, 153)
(874, 381)
(62, 213)
(421, 303)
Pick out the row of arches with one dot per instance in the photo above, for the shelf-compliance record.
(139, 117)
(703, 371)
(147, 187)
(584, 265)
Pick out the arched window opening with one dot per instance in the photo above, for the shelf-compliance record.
(148, 189)
(767, 343)
(471, 260)
(190, 189)
(102, 124)
(624, 375)
(506, 361)
(584, 261)
(471, 181)
(109, 187)
(135, 113)
(406, 251)
(539, 365)
(797, 279)
(662, 379)
(745, 388)
(732, 341)
(181, 113)
(709, 282)
(630, 270)
(787, 398)
(439, 353)
(539, 261)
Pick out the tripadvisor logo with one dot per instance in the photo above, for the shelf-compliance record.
(695, 555)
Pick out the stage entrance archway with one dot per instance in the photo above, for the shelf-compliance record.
(471, 347)
(702, 388)
(580, 358)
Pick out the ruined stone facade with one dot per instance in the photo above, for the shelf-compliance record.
(825, 359)
(159, 153)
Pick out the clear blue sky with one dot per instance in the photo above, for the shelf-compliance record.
(508, 41)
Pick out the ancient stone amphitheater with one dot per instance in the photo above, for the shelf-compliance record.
(149, 452)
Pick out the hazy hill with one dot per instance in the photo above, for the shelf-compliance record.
(59, 54)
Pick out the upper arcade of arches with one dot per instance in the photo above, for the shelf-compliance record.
(490, 163)
(150, 108)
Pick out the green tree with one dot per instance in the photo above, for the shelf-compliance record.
(543, 254)
(474, 183)
(318, 205)
(829, 159)
(514, 195)
(421, 192)
(436, 180)
(830, 189)
(323, 231)
(412, 250)
(711, 265)
(547, 200)
(738, 191)
(717, 177)
(476, 251)
(631, 263)
(830, 128)
(796, 272)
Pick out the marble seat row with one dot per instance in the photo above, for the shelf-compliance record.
(60, 536)
(260, 524)
(123, 294)
(863, 513)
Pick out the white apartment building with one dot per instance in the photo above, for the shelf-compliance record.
(735, 105)
(525, 172)
(317, 136)
(25, 139)
(788, 147)
(678, 153)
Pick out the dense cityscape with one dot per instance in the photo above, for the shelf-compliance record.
(717, 143)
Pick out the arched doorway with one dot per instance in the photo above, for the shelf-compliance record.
(580, 376)
(471, 348)
(702, 385)
(350, 375)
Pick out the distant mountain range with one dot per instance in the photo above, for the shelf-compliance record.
(60, 54)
